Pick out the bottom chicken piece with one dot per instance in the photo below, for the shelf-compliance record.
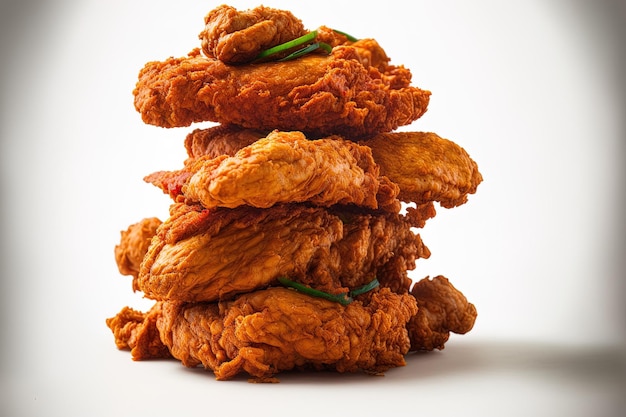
(279, 329)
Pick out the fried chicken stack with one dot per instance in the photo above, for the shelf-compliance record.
(292, 226)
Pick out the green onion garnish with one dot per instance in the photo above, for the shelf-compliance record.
(350, 37)
(302, 40)
(288, 45)
(343, 299)
(309, 48)
(365, 288)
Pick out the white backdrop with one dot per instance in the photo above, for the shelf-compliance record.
(533, 90)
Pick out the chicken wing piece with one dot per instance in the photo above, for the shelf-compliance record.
(317, 94)
(278, 329)
(442, 309)
(234, 36)
(205, 255)
(426, 167)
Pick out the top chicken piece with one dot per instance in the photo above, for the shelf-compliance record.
(236, 37)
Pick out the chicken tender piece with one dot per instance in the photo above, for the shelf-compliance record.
(442, 309)
(279, 329)
(319, 95)
(426, 167)
(234, 36)
(206, 255)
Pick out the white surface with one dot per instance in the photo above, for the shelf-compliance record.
(534, 92)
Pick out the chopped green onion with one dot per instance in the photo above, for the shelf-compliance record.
(350, 37)
(342, 299)
(288, 45)
(307, 49)
(365, 288)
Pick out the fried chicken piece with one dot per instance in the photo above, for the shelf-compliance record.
(137, 332)
(205, 255)
(279, 329)
(426, 167)
(320, 95)
(236, 37)
(442, 309)
(286, 167)
(134, 244)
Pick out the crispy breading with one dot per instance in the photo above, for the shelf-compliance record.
(426, 167)
(320, 95)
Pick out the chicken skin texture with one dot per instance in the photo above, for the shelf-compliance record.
(284, 167)
(316, 94)
(205, 255)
